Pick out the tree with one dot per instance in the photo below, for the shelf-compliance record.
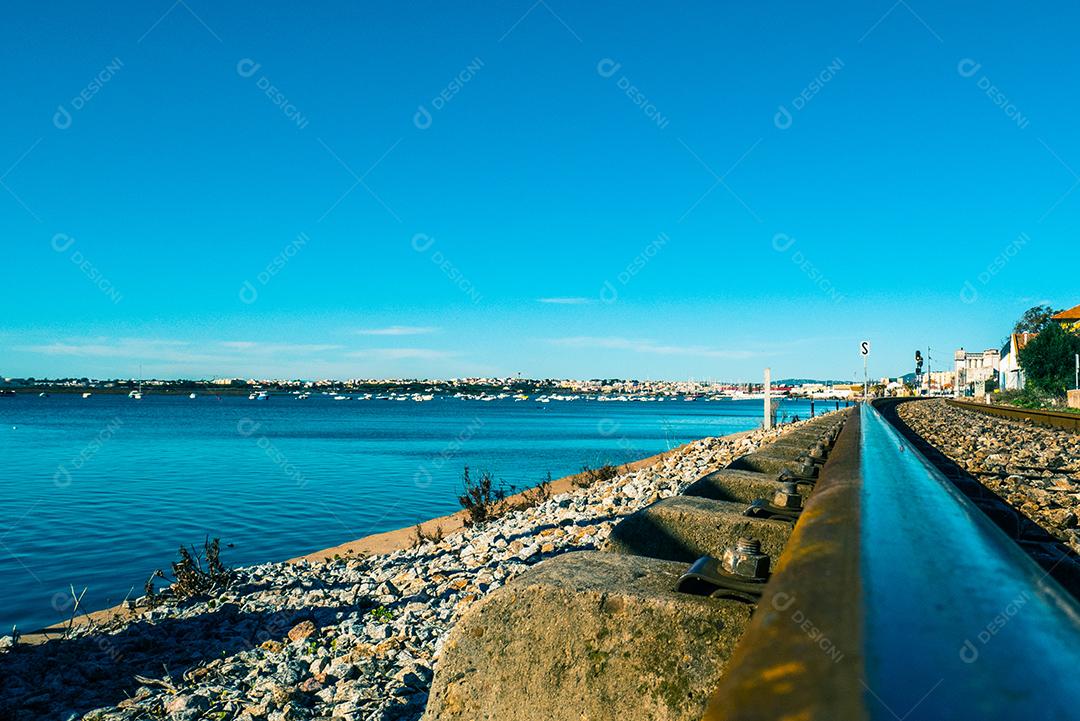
(1049, 359)
(1034, 319)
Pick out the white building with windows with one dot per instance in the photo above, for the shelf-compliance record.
(973, 370)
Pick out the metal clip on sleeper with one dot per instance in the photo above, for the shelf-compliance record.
(740, 574)
(786, 504)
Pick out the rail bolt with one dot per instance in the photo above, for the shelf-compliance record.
(818, 451)
(746, 560)
(787, 496)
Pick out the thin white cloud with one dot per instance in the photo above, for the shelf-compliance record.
(132, 349)
(397, 330)
(173, 351)
(647, 346)
(572, 300)
(211, 358)
(257, 347)
(402, 354)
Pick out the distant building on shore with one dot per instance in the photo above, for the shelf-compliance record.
(939, 382)
(1010, 372)
(973, 370)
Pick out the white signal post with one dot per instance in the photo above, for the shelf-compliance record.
(768, 398)
(864, 350)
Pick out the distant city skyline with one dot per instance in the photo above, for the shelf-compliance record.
(548, 189)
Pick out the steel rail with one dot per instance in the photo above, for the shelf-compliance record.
(1052, 419)
(943, 617)
(960, 622)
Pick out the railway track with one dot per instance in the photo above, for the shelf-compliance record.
(1051, 419)
(856, 574)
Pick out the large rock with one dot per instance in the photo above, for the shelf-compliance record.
(685, 528)
(587, 637)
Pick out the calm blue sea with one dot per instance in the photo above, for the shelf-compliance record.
(99, 492)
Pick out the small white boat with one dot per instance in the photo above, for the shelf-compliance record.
(341, 398)
(86, 395)
(192, 396)
(137, 394)
(43, 395)
(262, 396)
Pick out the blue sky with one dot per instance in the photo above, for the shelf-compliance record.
(422, 189)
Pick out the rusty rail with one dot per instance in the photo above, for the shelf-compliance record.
(801, 656)
(1053, 419)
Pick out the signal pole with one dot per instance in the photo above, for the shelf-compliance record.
(768, 398)
(864, 351)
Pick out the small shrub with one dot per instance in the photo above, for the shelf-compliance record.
(589, 476)
(420, 536)
(540, 493)
(482, 501)
(1029, 397)
(382, 613)
(195, 575)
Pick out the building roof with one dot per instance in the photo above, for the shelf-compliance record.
(1022, 339)
(1070, 314)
